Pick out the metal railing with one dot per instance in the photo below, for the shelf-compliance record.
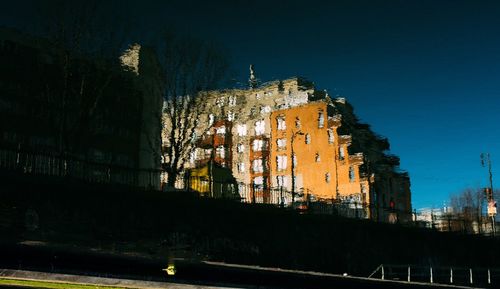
(45, 164)
(463, 276)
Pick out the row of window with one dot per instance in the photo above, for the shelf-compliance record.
(221, 101)
(282, 180)
(260, 125)
(232, 100)
(260, 145)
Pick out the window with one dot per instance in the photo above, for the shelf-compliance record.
(294, 160)
(208, 152)
(282, 181)
(258, 182)
(265, 109)
(352, 176)
(308, 138)
(327, 177)
(242, 129)
(258, 145)
(297, 122)
(219, 101)
(220, 130)
(241, 167)
(232, 100)
(280, 120)
(257, 96)
(331, 136)
(258, 166)
(321, 120)
(341, 153)
(211, 119)
(260, 127)
(281, 162)
(230, 115)
(281, 142)
(240, 148)
(220, 152)
(317, 158)
(192, 157)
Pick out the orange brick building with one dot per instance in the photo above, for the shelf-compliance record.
(287, 142)
(310, 159)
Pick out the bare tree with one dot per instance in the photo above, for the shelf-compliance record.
(467, 208)
(82, 42)
(191, 68)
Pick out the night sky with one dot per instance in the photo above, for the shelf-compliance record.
(425, 74)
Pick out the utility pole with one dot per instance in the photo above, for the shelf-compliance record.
(485, 158)
(294, 134)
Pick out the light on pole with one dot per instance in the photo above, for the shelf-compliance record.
(294, 134)
(485, 160)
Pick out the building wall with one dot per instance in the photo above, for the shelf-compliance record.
(329, 177)
(319, 171)
(106, 110)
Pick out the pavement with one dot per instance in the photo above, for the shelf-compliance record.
(95, 281)
(58, 264)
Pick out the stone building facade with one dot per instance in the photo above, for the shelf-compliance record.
(290, 142)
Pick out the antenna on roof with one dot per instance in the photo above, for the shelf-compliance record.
(252, 81)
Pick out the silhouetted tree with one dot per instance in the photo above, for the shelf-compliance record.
(83, 43)
(191, 67)
(467, 208)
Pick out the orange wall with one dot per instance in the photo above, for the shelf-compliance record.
(311, 175)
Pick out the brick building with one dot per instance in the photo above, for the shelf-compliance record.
(292, 143)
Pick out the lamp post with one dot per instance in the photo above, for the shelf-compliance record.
(294, 134)
(485, 157)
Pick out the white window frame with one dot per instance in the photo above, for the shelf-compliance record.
(258, 145)
(352, 174)
(341, 153)
(281, 162)
(282, 181)
(232, 100)
(321, 119)
(260, 127)
(281, 123)
(258, 166)
(220, 151)
(281, 143)
(240, 148)
(241, 129)
(241, 167)
(220, 130)
(331, 136)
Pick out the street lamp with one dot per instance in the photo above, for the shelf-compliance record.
(485, 158)
(294, 134)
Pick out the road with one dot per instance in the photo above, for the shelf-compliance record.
(49, 263)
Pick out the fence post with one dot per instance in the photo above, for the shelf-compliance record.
(383, 273)
(282, 203)
(409, 273)
(470, 275)
(432, 279)
(489, 277)
(451, 275)
(253, 193)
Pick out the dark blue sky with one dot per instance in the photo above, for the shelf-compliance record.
(425, 74)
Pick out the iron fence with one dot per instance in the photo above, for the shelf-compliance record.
(462, 276)
(44, 164)
(71, 167)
